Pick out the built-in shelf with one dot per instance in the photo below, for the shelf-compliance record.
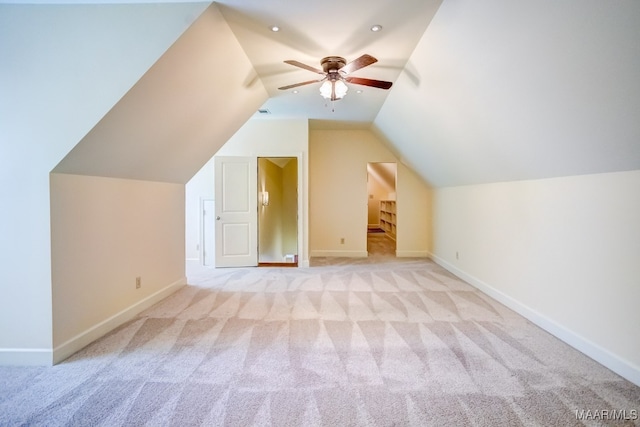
(388, 217)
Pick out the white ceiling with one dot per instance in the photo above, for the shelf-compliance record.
(311, 30)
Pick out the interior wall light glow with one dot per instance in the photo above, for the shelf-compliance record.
(265, 198)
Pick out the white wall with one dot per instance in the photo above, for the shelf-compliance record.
(562, 251)
(259, 138)
(63, 67)
(108, 232)
(339, 201)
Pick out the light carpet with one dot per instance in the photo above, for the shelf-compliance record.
(346, 342)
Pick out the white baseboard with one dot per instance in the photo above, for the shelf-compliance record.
(620, 366)
(413, 254)
(346, 254)
(87, 337)
(26, 357)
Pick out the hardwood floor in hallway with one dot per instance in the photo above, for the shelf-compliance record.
(379, 245)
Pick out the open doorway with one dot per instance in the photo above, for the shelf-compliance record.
(382, 209)
(278, 211)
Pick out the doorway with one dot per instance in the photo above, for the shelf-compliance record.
(382, 209)
(278, 211)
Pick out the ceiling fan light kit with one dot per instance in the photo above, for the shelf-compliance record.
(335, 71)
(333, 90)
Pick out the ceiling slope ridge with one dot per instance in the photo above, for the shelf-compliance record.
(178, 114)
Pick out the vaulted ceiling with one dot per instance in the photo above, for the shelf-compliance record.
(310, 30)
(483, 91)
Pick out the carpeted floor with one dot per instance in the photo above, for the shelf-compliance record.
(371, 342)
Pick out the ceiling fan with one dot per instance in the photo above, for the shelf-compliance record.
(335, 72)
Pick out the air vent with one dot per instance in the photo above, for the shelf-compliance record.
(264, 111)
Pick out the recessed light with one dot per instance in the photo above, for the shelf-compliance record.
(359, 91)
(376, 28)
(295, 91)
(274, 28)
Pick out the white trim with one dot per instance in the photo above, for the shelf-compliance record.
(85, 338)
(413, 254)
(622, 367)
(26, 357)
(344, 254)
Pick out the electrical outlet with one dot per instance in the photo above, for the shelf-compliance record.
(342, 240)
(138, 282)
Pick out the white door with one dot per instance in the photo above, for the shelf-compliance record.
(236, 182)
(208, 232)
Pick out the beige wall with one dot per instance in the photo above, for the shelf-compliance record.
(338, 200)
(413, 207)
(290, 208)
(105, 233)
(563, 251)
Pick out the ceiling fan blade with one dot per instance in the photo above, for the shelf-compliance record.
(299, 84)
(358, 63)
(305, 66)
(380, 84)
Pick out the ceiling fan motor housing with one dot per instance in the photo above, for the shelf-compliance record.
(332, 63)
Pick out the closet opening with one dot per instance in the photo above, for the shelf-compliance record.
(382, 209)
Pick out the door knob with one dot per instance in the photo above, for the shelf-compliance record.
(217, 218)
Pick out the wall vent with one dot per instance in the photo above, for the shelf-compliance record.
(264, 111)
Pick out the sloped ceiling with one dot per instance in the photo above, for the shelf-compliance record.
(494, 90)
(519, 90)
(189, 103)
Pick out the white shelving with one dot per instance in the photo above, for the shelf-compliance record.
(388, 217)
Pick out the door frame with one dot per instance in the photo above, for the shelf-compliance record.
(303, 197)
(303, 200)
(297, 178)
